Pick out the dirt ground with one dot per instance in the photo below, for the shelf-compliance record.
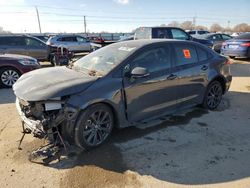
(196, 148)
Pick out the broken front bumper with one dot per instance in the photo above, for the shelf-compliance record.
(33, 126)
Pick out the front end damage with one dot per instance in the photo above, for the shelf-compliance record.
(52, 120)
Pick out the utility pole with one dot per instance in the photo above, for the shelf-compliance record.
(85, 25)
(194, 21)
(38, 19)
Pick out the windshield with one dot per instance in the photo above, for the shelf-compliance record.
(102, 61)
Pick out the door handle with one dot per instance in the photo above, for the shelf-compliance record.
(172, 77)
(204, 67)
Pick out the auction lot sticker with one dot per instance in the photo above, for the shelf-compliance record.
(186, 53)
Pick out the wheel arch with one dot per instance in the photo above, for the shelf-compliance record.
(12, 67)
(110, 105)
(222, 81)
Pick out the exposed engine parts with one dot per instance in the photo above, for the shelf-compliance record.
(46, 125)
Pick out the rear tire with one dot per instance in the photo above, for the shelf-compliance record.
(94, 126)
(213, 95)
(8, 76)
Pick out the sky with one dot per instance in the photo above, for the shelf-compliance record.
(20, 16)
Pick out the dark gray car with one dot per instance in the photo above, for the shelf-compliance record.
(216, 38)
(120, 85)
(24, 45)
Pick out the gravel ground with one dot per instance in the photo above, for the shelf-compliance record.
(196, 148)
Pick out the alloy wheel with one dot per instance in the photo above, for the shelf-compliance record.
(214, 95)
(9, 77)
(97, 127)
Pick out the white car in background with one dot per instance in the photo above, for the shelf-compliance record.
(197, 32)
(74, 43)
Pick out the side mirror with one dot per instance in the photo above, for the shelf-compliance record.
(139, 72)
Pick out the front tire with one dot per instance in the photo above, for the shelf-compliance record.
(94, 126)
(8, 76)
(213, 95)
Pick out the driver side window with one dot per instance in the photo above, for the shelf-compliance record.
(154, 60)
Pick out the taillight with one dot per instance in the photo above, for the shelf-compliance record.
(245, 44)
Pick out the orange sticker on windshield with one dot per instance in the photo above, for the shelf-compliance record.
(186, 53)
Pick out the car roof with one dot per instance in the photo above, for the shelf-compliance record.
(67, 35)
(145, 42)
(170, 27)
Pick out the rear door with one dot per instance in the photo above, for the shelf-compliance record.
(191, 71)
(154, 94)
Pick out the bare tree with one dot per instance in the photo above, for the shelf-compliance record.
(201, 27)
(187, 25)
(243, 27)
(174, 24)
(216, 27)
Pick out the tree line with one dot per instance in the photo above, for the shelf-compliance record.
(189, 25)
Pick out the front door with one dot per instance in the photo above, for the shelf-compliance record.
(154, 94)
(36, 49)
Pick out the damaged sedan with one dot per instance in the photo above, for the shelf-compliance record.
(120, 85)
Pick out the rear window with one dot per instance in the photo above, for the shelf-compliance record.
(67, 39)
(12, 41)
(243, 36)
(202, 32)
(191, 32)
(185, 54)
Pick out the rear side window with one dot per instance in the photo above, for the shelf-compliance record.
(185, 54)
(191, 32)
(12, 41)
(226, 37)
(160, 33)
(81, 39)
(202, 32)
(32, 42)
(215, 37)
(67, 39)
(179, 34)
(202, 54)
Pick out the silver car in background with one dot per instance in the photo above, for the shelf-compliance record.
(74, 43)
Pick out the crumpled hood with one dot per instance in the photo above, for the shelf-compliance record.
(47, 83)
